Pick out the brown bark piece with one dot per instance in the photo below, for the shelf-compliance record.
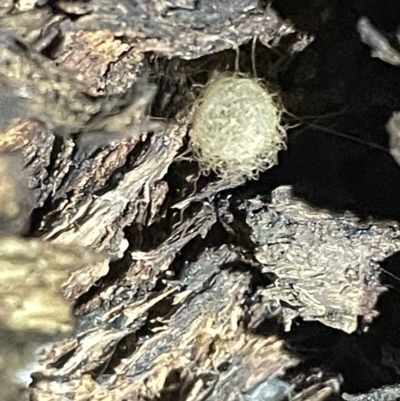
(184, 29)
(196, 348)
(145, 268)
(52, 96)
(78, 220)
(326, 265)
(57, 97)
(199, 333)
(25, 150)
(27, 146)
(28, 24)
(123, 310)
(16, 200)
(90, 54)
(32, 308)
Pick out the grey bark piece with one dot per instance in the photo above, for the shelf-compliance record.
(189, 30)
(327, 265)
(387, 393)
(379, 45)
(393, 129)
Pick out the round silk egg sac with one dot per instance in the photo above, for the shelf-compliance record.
(236, 128)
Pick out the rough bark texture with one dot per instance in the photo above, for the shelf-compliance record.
(182, 286)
